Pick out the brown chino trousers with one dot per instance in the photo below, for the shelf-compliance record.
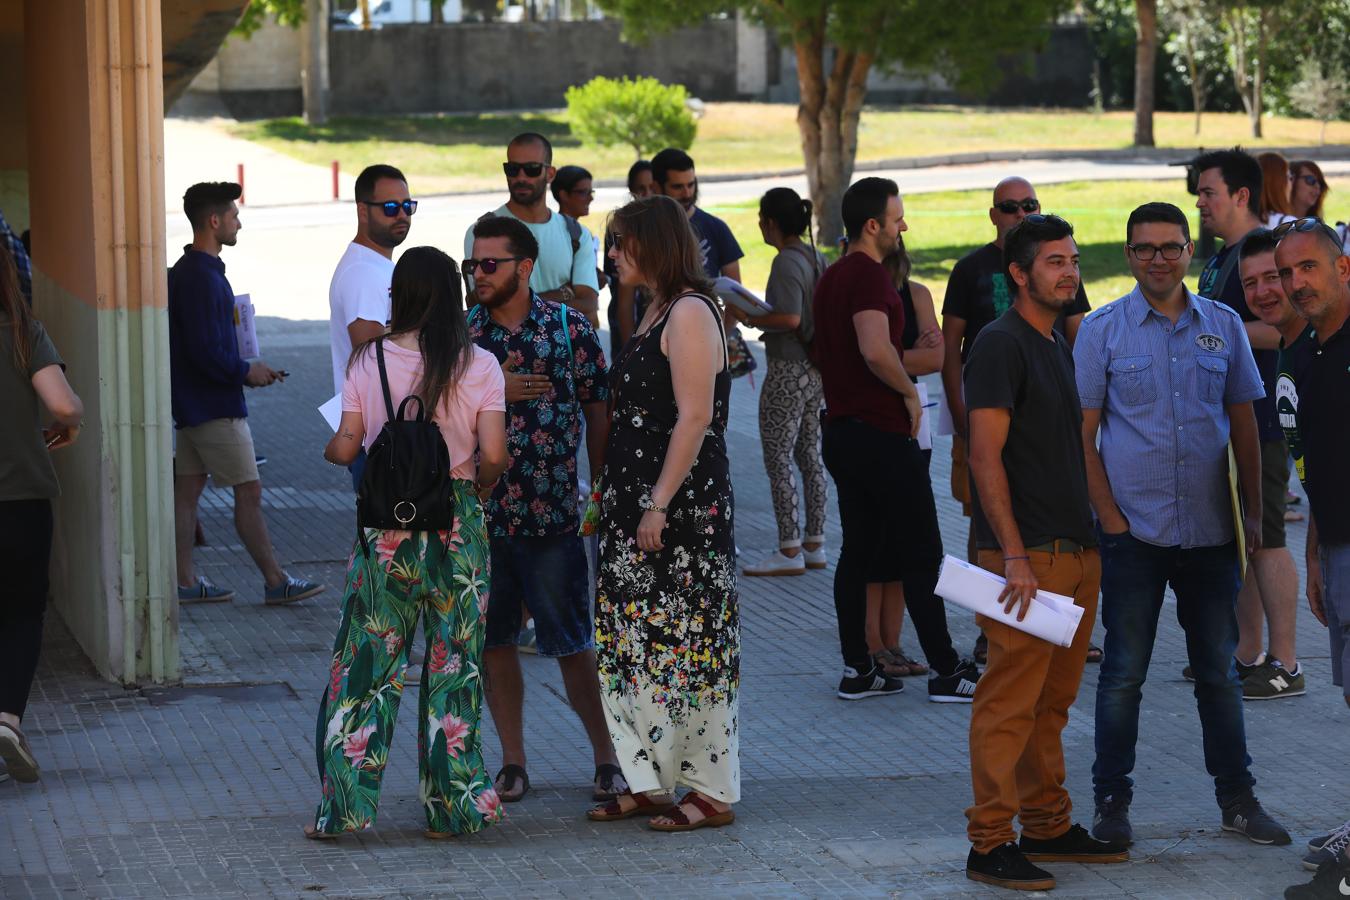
(1021, 706)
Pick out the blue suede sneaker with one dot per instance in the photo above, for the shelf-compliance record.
(203, 591)
(290, 591)
(1324, 849)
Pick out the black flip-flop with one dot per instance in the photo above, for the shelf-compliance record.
(508, 776)
(605, 773)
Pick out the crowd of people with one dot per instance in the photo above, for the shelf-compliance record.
(1096, 454)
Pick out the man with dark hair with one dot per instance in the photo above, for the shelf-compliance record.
(555, 376)
(1228, 189)
(886, 507)
(358, 294)
(1280, 675)
(207, 377)
(978, 292)
(1167, 377)
(565, 270)
(1033, 527)
(673, 175)
(1314, 272)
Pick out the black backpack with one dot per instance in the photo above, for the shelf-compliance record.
(407, 483)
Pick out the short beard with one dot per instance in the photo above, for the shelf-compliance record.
(384, 235)
(502, 294)
(537, 191)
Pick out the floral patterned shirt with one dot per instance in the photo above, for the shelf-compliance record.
(538, 495)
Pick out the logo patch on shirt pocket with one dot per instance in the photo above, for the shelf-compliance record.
(1210, 342)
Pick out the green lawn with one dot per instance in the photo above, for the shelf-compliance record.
(464, 152)
(944, 227)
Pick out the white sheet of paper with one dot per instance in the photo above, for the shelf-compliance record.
(944, 417)
(245, 329)
(332, 412)
(1051, 617)
(926, 423)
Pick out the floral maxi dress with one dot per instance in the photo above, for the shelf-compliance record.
(667, 625)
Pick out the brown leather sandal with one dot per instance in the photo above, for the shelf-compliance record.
(613, 811)
(712, 818)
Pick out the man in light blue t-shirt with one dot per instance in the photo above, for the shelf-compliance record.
(565, 272)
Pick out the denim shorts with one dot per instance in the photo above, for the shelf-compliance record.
(550, 576)
(1336, 602)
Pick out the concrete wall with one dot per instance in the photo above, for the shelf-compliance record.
(254, 77)
(420, 68)
(14, 113)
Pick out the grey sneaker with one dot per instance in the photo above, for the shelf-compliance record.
(1322, 850)
(1272, 681)
(18, 756)
(203, 592)
(290, 591)
(1246, 817)
(1111, 820)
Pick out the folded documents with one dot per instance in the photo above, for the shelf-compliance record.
(738, 295)
(1050, 617)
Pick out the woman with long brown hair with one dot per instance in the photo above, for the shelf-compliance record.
(667, 625)
(1310, 189)
(30, 370)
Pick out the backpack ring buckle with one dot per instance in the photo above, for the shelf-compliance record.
(405, 519)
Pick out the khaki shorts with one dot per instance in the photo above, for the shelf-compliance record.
(1274, 482)
(960, 474)
(221, 448)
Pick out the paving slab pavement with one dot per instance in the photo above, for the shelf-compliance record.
(201, 790)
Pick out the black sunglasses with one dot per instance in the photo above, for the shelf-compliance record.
(531, 170)
(1305, 225)
(1011, 206)
(391, 207)
(1146, 252)
(488, 265)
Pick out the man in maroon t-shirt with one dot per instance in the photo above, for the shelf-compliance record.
(886, 507)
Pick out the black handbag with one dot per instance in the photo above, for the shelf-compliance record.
(407, 483)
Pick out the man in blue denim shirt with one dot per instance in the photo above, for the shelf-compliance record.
(1167, 376)
(555, 375)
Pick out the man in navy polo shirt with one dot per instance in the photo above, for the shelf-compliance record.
(1167, 377)
(207, 377)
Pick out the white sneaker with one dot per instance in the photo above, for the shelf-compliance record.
(778, 564)
(816, 559)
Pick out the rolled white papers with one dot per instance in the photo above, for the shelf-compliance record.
(1051, 617)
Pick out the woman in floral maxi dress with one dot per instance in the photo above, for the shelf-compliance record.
(440, 577)
(667, 625)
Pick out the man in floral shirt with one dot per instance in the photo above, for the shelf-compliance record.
(555, 375)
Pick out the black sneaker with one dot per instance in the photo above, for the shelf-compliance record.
(1325, 848)
(1006, 867)
(1243, 669)
(1111, 820)
(875, 683)
(1331, 881)
(1246, 817)
(1074, 845)
(958, 687)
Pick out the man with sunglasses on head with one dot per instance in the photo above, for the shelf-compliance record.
(565, 272)
(1228, 193)
(978, 293)
(556, 378)
(1166, 379)
(1314, 272)
(358, 295)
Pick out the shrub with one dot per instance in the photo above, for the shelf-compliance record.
(642, 113)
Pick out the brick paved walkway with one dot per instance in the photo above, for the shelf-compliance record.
(201, 790)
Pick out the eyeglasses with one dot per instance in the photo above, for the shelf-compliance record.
(391, 207)
(1305, 225)
(531, 170)
(1146, 252)
(489, 265)
(1009, 207)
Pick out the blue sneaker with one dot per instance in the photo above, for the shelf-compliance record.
(203, 591)
(290, 591)
(526, 640)
(1324, 849)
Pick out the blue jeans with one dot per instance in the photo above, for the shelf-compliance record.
(549, 576)
(1205, 580)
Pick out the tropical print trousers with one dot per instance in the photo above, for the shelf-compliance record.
(441, 578)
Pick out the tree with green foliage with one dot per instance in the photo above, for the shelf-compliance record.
(287, 12)
(642, 113)
(839, 42)
(1195, 45)
(1320, 93)
(1145, 68)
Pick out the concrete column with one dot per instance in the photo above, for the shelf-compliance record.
(95, 179)
(752, 58)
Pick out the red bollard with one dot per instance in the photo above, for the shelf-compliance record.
(240, 179)
(335, 179)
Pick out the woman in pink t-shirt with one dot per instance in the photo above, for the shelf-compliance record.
(441, 576)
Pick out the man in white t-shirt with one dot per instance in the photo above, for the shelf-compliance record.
(358, 296)
(565, 272)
